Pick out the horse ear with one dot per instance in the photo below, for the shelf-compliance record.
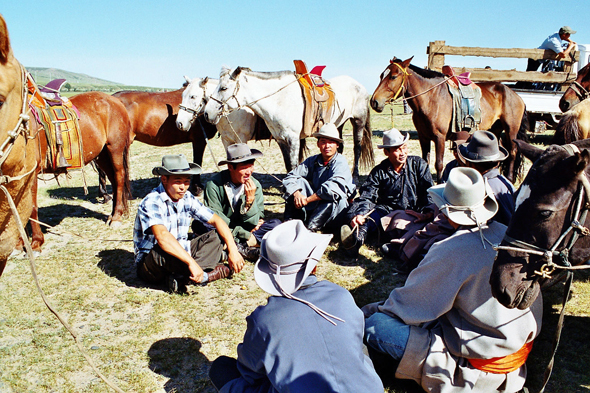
(187, 79)
(204, 81)
(583, 160)
(406, 62)
(393, 60)
(529, 151)
(5, 50)
(236, 72)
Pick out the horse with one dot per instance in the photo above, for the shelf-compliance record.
(18, 149)
(543, 234)
(574, 125)
(432, 110)
(578, 91)
(153, 121)
(240, 126)
(276, 97)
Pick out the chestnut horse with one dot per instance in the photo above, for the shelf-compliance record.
(578, 91)
(548, 206)
(18, 150)
(153, 121)
(428, 96)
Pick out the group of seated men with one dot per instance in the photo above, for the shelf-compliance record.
(442, 329)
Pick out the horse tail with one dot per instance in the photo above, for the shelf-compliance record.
(567, 131)
(303, 149)
(127, 195)
(367, 155)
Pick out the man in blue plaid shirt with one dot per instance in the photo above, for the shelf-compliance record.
(163, 251)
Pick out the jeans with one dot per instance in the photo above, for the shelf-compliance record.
(387, 334)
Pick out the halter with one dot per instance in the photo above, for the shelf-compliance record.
(196, 112)
(405, 76)
(580, 90)
(561, 256)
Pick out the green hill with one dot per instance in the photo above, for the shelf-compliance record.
(77, 83)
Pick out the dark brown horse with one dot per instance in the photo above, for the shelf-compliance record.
(432, 106)
(18, 158)
(550, 206)
(578, 91)
(153, 121)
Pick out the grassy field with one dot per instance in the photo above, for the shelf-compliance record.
(147, 340)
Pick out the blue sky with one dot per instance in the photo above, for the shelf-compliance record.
(155, 43)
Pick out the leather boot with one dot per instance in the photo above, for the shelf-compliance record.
(248, 253)
(319, 217)
(220, 271)
(353, 238)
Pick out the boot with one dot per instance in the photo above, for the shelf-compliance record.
(319, 217)
(176, 284)
(220, 271)
(353, 238)
(248, 253)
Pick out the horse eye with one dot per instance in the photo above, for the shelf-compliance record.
(222, 88)
(545, 214)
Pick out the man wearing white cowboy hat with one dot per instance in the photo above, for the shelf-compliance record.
(308, 337)
(163, 251)
(236, 196)
(397, 185)
(443, 327)
(319, 188)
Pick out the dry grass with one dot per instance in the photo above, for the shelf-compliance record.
(147, 340)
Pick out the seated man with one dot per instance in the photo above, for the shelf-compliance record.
(319, 188)
(308, 337)
(444, 327)
(236, 197)
(397, 185)
(163, 251)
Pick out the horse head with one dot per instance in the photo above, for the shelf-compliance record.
(220, 100)
(578, 91)
(392, 84)
(539, 235)
(194, 99)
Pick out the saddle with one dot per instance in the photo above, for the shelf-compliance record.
(59, 118)
(318, 98)
(466, 101)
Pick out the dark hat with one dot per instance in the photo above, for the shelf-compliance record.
(567, 30)
(176, 164)
(240, 152)
(482, 147)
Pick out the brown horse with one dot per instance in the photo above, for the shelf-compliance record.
(432, 106)
(18, 150)
(153, 121)
(578, 91)
(574, 125)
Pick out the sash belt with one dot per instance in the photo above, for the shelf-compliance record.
(505, 364)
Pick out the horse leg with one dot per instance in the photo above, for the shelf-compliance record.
(37, 237)
(357, 141)
(439, 149)
(199, 145)
(425, 147)
(290, 149)
(102, 185)
(116, 168)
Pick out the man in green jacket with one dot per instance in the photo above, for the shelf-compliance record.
(236, 197)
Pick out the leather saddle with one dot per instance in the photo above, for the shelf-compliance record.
(462, 79)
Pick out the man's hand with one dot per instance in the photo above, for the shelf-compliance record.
(357, 220)
(421, 217)
(299, 199)
(196, 272)
(250, 191)
(257, 227)
(235, 260)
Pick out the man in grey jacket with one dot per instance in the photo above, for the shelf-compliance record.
(444, 327)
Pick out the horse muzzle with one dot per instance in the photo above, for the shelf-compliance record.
(510, 281)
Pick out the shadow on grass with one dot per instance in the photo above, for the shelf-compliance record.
(180, 360)
(54, 215)
(120, 264)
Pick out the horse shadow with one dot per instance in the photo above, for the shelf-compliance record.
(180, 360)
(55, 214)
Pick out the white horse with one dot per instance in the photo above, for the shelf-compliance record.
(276, 97)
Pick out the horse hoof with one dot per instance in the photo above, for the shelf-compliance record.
(115, 224)
(16, 253)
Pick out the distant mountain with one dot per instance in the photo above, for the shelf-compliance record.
(76, 82)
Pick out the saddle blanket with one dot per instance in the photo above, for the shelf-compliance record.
(466, 107)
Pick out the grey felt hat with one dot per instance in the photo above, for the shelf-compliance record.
(176, 164)
(240, 152)
(466, 198)
(482, 147)
(329, 131)
(393, 138)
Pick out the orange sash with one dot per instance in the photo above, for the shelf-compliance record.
(506, 364)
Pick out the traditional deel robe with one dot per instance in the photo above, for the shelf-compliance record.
(239, 220)
(504, 193)
(448, 302)
(288, 347)
(331, 182)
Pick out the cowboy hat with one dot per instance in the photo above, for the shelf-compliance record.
(240, 152)
(466, 198)
(329, 131)
(176, 164)
(482, 147)
(288, 255)
(393, 138)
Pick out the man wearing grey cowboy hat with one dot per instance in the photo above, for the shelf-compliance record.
(483, 153)
(164, 253)
(236, 196)
(308, 337)
(320, 188)
(443, 328)
(397, 185)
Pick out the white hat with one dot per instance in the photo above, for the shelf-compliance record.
(466, 198)
(393, 138)
(329, 131)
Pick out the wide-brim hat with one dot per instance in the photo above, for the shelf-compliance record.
(393, 138)
(329, 131)
(482, 147)
(466, 198)
(176, 164)
(240, 152)
(288, 254)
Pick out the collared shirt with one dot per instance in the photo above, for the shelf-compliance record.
(158, 209)
(555, 43)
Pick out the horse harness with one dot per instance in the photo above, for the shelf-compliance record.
(580, 90)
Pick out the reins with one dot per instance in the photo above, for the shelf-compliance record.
(403, 87)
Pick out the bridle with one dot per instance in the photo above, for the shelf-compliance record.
(402, 88)
(580, 90)
(195, 112)
(553, 258)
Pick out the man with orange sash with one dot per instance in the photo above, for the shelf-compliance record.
(443, 328)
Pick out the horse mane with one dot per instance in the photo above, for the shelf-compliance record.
(269, 75)
(423, 72)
